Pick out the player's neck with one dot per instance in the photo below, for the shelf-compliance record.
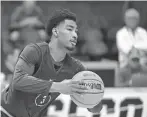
(57, 53)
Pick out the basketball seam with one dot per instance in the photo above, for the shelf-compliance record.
(94, 92)
(93, 79)
(86, 79)
(83, 103)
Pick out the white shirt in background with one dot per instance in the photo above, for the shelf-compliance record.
(125, 40)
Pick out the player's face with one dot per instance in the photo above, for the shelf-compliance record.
(67, 34)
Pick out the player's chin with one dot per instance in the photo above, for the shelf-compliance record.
(70, 48)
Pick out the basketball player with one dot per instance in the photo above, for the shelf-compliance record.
(44, 70)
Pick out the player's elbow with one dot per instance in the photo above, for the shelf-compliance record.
(17, 81)
(16, 84)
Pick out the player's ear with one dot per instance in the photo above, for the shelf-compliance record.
(55, 32)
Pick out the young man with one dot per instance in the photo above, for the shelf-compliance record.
(44, 70)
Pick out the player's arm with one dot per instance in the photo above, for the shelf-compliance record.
(23, 79)
(68, 86)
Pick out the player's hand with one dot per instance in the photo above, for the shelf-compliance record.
(76, 87)
(69, 87)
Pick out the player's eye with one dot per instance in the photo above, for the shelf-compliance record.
(69, 29)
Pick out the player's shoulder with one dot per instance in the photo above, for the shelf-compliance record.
(39, 47)
(77, 63)
(36, 45)
(42, 44)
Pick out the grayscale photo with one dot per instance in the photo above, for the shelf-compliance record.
(73, 58)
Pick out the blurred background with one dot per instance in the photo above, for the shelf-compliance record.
(112, 41)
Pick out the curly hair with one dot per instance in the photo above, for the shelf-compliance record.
(57, 17)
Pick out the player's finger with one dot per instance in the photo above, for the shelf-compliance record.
(81, 82)
(79, 86)
(80, 91)
(75, 82)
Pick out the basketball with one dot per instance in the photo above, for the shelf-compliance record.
(95, 87)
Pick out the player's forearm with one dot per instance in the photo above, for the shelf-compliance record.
(31, 84)
(55, 87)
(63, 87)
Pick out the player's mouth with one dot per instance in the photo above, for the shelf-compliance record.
(73, 42)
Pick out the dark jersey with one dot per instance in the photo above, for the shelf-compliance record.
(28, 94)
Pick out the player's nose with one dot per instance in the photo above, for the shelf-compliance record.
(74, 35)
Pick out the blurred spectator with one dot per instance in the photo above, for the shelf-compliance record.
(94, 45)
(127, 5)
(131, 35)
(9, 63)
(131, 43)
(28, 15)
(140, 79)
(11, 59)
(111, 43)
(137, 64)
(2, 78)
